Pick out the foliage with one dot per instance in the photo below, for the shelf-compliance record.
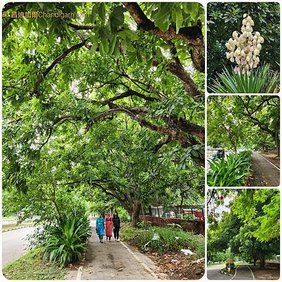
(164, 239)
(223, 18)
(96, 106)
(230, 172)
(250, 229)
(66, 242)
(260, 81)
(244, 122)
(31, 267)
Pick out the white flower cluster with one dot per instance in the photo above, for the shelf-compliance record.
(244, 48)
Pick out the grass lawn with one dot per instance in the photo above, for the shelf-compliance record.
(31, 267)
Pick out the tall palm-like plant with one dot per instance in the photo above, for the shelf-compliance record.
(260, 81)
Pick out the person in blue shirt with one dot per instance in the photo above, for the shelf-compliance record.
(100, 227)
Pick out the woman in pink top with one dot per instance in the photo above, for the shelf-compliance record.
(109, 226)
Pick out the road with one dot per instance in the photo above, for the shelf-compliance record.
(243, 272)
(14, 244)
(113, 260)
(214, 274)
(264, 172)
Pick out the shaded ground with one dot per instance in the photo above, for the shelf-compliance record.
(113, 260)
(272, 157)
(264, 172)
(267, 274)
(177, 266)
(14, 244)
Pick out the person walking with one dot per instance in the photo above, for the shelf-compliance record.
(116, 223)
(100, 227)
(109, 227)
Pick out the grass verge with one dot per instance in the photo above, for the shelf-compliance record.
(14, 226)
(31, 267)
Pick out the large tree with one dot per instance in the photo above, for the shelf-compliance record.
(245, 121)
(251, 228)
(95, 71)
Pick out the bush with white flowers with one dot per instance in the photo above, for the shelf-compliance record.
(244, 48)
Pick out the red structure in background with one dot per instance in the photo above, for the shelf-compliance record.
(199, 215)
(197, 225)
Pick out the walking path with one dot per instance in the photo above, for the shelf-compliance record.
(264, 172)
(243, 272)
(213, 272)
(113, 260)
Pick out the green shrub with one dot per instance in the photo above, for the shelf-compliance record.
(230, 172)
(66, 242)
(164, 239)
(260, 81)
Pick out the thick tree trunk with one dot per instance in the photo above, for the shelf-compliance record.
(135, 213)
(262, 262)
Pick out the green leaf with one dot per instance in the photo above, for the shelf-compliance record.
(128, 34)
(179, 20)
(102, 13)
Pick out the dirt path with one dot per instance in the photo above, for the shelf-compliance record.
(113, 260)
(264, 172)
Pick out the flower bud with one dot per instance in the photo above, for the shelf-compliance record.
(256, 52)
(235, 34)
(257, 34)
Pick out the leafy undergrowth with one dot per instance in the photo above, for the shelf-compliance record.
(233, 171)
(31, 267)
(164, 248)
(164, 239)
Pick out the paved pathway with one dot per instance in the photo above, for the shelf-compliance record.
(264, 172)
(113, 260)
(14, 244)
(243, 272)
(213, 273)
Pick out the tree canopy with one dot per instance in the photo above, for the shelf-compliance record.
(251, 228)
(244, 121)
(106, 95)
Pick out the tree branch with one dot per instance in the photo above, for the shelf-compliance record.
(190, 35)
(129, 93)
(54, 63)
(178, 70)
